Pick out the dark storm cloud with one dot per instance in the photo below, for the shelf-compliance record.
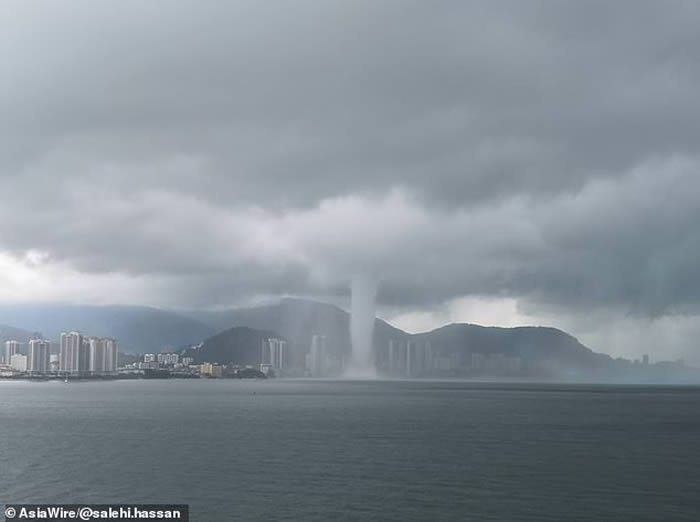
(542, 150)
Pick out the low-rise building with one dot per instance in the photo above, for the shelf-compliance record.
(18, 362)
(167, 359)
(211, 370)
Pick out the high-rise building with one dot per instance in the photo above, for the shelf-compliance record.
(75, 353)
(102, 355)
(39, 354)
(280, 362)
(9, 349)
(274, 353)
(111, 354)
(391, 356)
(419, 358)
(408, 358)
(96, 355)
(429, 360)
(399, 358)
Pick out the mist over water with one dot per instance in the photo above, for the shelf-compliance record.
(364, 293)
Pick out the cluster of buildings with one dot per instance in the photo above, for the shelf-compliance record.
(34, 359)
(408, 358)
(165, 360)
(324, 359)
(415, 358)
(85, 356)
(171, 364)
(78, 355)
(274, 356)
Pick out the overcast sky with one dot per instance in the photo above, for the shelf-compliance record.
(494, 162)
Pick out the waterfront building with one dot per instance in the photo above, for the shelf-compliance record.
(400, 358)
(274, 353)
(102, 355)
(9, 349)
(96, 356)
(39, 354)
(111, 354)
(408, 358)
(429, 359)
(167, 359)
(74, 353)
(149, 357)
(394, 356)
(18, 362)
(53, 362)
(211, 370)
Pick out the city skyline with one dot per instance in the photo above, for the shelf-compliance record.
(77, 355)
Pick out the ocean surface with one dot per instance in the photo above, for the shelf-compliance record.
(382, 450)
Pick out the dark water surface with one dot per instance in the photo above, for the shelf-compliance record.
(304, 450)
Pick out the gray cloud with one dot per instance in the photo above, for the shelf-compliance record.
(543, 151)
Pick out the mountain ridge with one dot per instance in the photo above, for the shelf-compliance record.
(141, 329)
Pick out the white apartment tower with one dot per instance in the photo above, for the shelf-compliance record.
(9, 349)
(75, 353)
(274, 353)
(39, 356)
(96, 355)
(111, 354)
(102, 355)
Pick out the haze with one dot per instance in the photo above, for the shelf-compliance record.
(493, 162)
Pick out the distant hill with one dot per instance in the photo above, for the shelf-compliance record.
(528, 341)
(298, 320)
(240, 345)
(235, 335)
(16, 334)
(138, 329)
(531, 343)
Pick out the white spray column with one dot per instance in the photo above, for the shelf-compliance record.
(364, 293)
